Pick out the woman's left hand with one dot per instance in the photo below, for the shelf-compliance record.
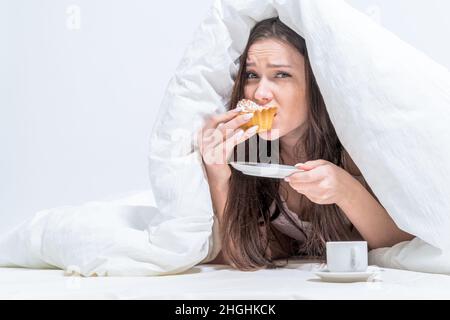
(322, 182)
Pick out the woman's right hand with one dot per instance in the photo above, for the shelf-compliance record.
(217, 139)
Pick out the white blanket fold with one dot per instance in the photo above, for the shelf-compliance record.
(121, 237)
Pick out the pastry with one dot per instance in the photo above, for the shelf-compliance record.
(262, 116)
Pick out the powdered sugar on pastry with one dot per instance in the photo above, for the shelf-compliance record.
(246, 105)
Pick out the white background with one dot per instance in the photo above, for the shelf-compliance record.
(78, 96)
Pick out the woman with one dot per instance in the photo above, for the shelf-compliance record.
(263, 219)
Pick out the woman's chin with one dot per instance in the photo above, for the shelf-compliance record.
(270, 135)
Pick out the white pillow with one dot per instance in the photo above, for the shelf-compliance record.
(388, 102)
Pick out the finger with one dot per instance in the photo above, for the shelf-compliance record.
(214, 120)
(224, 149)
(309, 165)
(213, 139)
(218, 136)
(229, 127)
(211, 136)
(305, 176)
(248, 134)
(304, 188)
(203, 138)
(240, 136)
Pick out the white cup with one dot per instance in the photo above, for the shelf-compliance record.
(347, 256)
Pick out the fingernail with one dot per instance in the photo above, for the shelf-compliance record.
(248, 116)
(253, 129)
(299, 164)
(238, 109)
(239, 133)
(286, 179)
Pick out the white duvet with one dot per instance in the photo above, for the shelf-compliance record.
(388, 102)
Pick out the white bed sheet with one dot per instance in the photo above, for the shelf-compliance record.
(296, 281)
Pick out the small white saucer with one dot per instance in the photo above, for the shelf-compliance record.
(328, 276)
(268, 170)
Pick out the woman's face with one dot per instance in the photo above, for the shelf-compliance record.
(275, 76)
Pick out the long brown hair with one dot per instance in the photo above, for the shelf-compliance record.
(246, 228)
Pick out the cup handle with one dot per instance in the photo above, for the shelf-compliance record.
(353, 258)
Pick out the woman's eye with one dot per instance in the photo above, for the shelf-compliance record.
(282, 75)
(251, 75)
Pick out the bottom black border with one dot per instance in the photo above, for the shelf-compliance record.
(226, 309)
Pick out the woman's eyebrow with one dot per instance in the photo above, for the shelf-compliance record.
(276, 65)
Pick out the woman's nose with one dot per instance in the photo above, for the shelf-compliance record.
(263, 93)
